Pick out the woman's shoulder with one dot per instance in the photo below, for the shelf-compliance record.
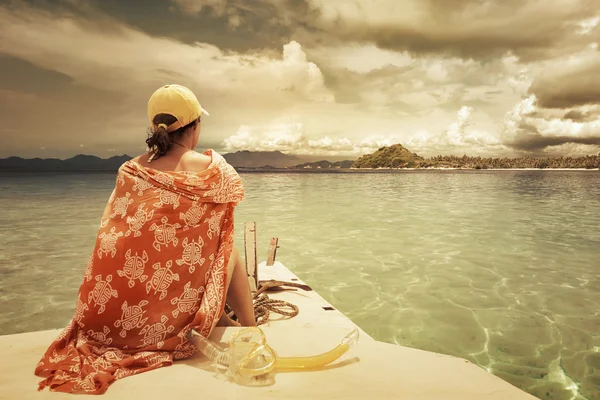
(141, 158)
(190, 161)
(195, 162)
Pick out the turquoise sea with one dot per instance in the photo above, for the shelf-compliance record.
(499, 267)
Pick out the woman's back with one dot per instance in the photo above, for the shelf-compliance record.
(159, 265)
(158, 269)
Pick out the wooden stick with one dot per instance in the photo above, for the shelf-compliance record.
(250, 252)
(272, 251)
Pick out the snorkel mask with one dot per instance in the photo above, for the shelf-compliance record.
(249, 358)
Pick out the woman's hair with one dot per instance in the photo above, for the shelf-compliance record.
(159, 140)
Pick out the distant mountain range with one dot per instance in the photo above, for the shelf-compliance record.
(257, 159)
(80, 162)
(388, 157)
(239, 159)
(277, 159)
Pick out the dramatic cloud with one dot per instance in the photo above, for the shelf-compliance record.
(140, 60)
(125, 66)
(466, 28)
(539, 142)
(247, 12)
(290, 137)
(460, 135)
(329, 77)
(240, 24)
(533, 129)
(573, 83)
(580, 116)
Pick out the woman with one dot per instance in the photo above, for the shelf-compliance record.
(163, 263)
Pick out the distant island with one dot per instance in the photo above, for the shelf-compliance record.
(397, 156)
(385, 158)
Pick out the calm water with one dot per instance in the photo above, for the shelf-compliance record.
(499, 267)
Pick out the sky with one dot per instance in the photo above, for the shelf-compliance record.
(320, 77)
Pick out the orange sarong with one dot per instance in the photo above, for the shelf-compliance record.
(158, 269)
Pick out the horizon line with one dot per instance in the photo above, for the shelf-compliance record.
(312, 155)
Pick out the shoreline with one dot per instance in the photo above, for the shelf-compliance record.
(393, 170)
(309, 170)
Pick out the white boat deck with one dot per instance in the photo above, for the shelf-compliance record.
(314, 310)
(370, 370)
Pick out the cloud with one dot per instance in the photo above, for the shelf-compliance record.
(138, 60)
(588, 25)
(361, 59)
(540, 142)
(462, 136)
(114, 68)
(581, 116)
(533, 29)
(407, 84)
(243, 90)
(290, 137)
(571, 150)
(218, 7)
(233, 12)
(532, 129)
(570, 82)
(252, 16)
(467, 28)
(308, 76)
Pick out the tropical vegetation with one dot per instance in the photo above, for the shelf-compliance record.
(397, 156)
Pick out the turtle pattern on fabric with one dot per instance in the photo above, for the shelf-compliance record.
(158, 270)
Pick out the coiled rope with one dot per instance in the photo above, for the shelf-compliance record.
(264, 306)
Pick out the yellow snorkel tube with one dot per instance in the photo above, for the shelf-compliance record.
(249, 356)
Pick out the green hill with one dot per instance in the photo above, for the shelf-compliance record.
(397, 156)
(394, 156)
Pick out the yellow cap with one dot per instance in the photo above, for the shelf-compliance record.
(178, 101)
